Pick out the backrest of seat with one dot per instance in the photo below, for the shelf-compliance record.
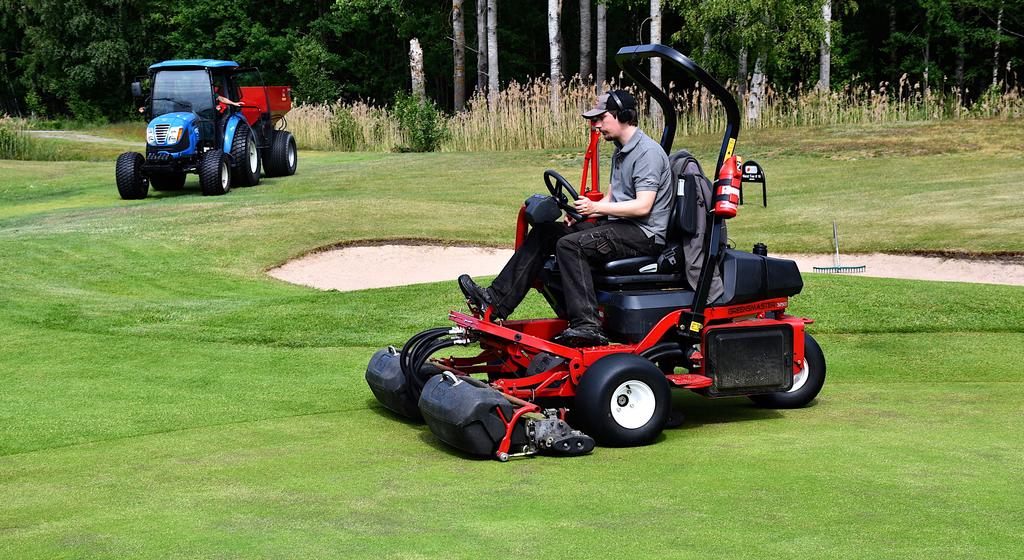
(686, 172)
(690, 218)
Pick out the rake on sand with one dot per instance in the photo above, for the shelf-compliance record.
(838, 268)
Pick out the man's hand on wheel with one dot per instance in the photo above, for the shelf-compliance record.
(584, 206)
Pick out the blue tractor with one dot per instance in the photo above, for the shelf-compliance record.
(203, 120)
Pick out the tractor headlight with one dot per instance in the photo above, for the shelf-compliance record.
(174, 134)
(150, 135)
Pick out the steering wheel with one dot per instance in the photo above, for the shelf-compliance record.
(563, 193)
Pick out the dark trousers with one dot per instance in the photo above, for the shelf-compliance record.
(576, 249)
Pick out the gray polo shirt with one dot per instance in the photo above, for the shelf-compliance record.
(641, 165)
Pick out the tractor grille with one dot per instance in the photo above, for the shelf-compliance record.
(161, 133)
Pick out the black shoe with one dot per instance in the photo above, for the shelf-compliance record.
(477, 296)
(581, 337)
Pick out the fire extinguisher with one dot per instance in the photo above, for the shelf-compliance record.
(727, 189)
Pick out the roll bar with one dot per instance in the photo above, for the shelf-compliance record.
(629, 59)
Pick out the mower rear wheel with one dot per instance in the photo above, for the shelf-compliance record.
(806, 384)
(167, 181)
(131, 183)
(623, 400)
(214, 173)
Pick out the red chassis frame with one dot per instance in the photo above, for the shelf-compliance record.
(516, 343)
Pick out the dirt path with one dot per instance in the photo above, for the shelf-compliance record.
(76, 137)
(358, 268)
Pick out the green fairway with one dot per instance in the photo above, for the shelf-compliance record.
(160, 396)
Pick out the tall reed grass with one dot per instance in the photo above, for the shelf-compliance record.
(15, 143)
(522, 117)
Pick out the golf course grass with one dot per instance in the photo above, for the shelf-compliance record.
(160, 396)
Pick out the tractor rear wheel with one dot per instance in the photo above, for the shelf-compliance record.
(214, 173)
(167, 181)
(806, 384)
(283, 156)
(131, 183)
(623, 400)
(246, 156)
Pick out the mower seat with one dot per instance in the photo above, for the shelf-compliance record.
(657, 271)
(666, 270)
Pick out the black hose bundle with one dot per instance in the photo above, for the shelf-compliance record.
(417, 351)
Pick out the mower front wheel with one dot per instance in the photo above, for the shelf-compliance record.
(623, 400)
(806, 384)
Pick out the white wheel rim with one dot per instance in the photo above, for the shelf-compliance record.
(801, 378)
(632, 404)
(224, 176)
(252, 155)
(291, 155)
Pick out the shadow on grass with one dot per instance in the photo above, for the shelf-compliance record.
(380, 410)
(174, 193)
(193, 189)
(430, 439)
(698, 411)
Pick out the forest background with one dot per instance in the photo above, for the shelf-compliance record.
(75, 58)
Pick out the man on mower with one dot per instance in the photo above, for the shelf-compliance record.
(629, 221)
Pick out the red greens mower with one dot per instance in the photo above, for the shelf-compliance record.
(699, 316)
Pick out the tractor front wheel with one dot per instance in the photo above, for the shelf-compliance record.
(214, 173)
(246, 156)
(806, 384)
(623, 400)
(131, 183)
(283, 156)
(167, 181)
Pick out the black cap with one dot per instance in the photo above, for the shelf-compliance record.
(615, 100)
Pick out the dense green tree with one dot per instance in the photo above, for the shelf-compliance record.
(76, 57)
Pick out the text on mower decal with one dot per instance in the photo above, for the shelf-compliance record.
(756, 307)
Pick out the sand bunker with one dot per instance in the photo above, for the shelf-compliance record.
(380, 266)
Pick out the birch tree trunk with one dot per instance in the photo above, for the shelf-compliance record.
(416, 69)
(555, 50)
(741, 73)
(757, 89)
(927, 62)
(995, 57)
(892, 43)
(602, 48)
(492, 52)
(585, 52)
(459, 47)
(481, 45)
(960, 44)
(825, 58)
(655, 110)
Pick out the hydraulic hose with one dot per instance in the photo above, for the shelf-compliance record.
(425, 350)
(406, 357)
(665, 351)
